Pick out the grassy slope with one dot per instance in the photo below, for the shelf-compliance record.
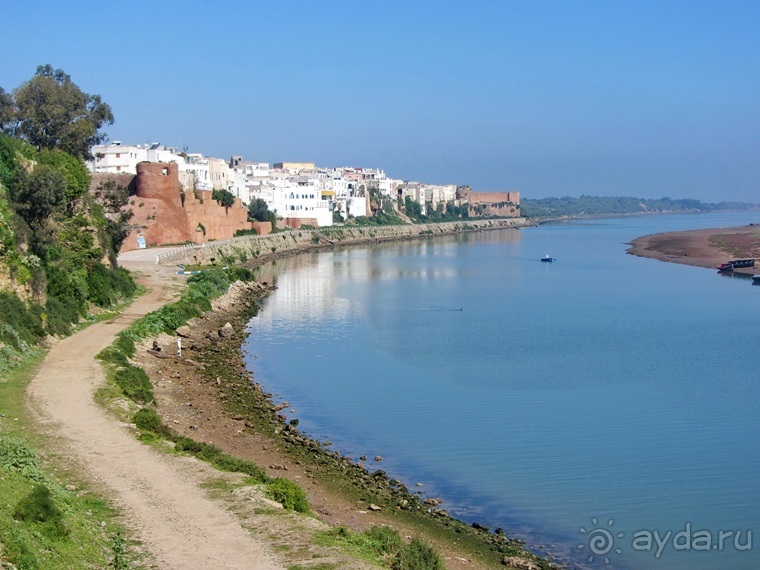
(88, 520)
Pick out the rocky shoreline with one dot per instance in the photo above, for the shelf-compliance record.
(209, 395)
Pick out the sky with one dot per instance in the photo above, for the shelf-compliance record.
(550, 98)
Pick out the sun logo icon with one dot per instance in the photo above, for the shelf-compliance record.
(601, 541)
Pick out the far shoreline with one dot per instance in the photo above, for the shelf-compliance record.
(705, 248)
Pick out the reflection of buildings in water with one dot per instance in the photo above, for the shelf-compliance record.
(308, 284)
(305, 293)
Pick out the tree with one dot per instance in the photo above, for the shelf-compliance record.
(52, 112)
(224, 197)
(259, 211)
(6, 110)
(39, 195)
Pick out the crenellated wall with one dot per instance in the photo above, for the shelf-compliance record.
(164, 215)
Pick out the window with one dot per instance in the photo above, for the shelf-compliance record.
(118, 168)
(118, 155)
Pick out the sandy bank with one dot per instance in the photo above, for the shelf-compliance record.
(701, 248)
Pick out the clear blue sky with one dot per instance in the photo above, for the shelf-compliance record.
(645, 98)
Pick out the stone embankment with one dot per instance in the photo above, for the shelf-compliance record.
(247, 248)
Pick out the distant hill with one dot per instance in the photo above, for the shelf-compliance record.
(612, 205)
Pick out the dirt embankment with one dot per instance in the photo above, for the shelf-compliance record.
(701, 248)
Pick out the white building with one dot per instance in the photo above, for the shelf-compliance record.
(197, 164)
(116, 158)
(296, 197)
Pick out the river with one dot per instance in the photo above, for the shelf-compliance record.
(593, 406)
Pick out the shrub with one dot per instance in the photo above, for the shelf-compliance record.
(125, 345)
(25, 322)
(384, 539)
(236, 465)
(39, 507)
(16, 456)
(147, 419)
(135, 384)
(418, 556)
(113, 355)
(215, 456)
(288, 494)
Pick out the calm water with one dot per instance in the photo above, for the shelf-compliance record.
(533, 396)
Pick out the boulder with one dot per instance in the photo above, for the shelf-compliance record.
(519, 563)
(183, 331)
(213, 336)
(226, 331)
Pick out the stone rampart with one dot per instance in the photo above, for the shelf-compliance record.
(247, 248)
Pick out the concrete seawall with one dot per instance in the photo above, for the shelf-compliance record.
(247, 248)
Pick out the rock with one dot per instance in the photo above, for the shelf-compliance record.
(433, 502)
(226, 331)
(374, 507)
(378, 458)
(71, 487)
(363, 458)
(213, 336)
(279, 466)
(183, 331)
(159, 354)
(519, 563)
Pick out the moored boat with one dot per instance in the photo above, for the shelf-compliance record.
(736, 264)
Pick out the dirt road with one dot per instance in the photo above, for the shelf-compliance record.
(158, 495)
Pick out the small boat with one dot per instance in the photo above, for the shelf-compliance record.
(756, 279)
(547, 258)
(736, 264)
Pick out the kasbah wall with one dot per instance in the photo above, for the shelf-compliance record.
(161, 217)
(505, 204)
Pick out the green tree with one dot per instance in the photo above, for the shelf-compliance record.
(39, 194)
(413, 208)
(224, 197)
(259, 211)
(6, 109)
(72, 167)
(52, 112)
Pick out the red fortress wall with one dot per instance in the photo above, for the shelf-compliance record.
(162, 218)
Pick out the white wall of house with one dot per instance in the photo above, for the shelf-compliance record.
(198, 165)
(300, 197)
(116, 158)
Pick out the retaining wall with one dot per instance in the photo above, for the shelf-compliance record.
(246, 248)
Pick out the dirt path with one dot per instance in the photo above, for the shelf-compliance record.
(158, 495)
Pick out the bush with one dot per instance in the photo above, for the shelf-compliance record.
(125, 345)
(212, 454)
(38, 507)
(25, 322)
(384, 539)
(135, 384)
(106, 286)
(418, 556)
(147, 419)
(16, 456)
(288, 494)
(113, 355)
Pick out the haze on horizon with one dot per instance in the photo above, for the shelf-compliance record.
(550, 98)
